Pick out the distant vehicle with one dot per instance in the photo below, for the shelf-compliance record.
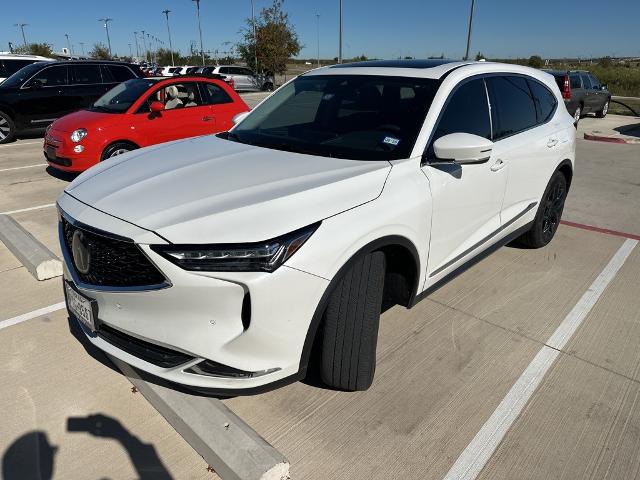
(139, 113)
(185, 69)
(168, 71)
(245, 79)
(11, 63)
(582, 93)
(41, 92)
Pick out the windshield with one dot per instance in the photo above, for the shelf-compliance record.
(18, 78)
(122, 96)
(361, 117)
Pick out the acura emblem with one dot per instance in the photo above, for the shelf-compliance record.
(81, 254)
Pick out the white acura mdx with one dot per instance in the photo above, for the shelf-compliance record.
(221, 262)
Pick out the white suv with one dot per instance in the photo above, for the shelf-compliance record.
(10, 63)
(221, 262)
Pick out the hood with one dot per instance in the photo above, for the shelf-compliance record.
(210, 190)
(82, 119)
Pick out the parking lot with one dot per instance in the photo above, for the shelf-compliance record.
(445, 369)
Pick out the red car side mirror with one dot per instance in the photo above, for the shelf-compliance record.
(156, 106)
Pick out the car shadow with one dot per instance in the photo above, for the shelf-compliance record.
(60, 175)
(632, 130)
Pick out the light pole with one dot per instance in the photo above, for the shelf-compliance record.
(135, 36)
(106, 27)
(466, 55)
(255, 36)
(130, 52)
(200, 30)
(318, 32)
(22, 25)
(167, 12)
(144, 43)
(340, 36)
(68, 45)
(82, 47)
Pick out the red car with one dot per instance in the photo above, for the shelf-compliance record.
(138, 113)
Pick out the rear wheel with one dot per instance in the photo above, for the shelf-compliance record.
(603, 112)
(268, 87)
(549, 213)
(576, 115)
(7, 128)
(116, 149)
(350, 325)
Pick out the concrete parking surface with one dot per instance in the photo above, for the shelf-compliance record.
(444, 367)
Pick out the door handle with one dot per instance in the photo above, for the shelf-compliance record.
(207, 118)
(552, 142)
(499, 165)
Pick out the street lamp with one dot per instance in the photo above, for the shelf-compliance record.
(68, 45)
(466, 55)
(318, 32)
(22, 25)
(200, 30)
(106, 27)
(167, 12)
(135, 36)
(255, 36)
(82, 47)
(340, 36)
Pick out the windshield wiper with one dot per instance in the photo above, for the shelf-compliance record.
(287, 147)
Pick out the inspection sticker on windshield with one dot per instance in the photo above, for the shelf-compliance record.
(391, 141)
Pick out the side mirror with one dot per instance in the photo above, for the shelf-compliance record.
(156, 107)
(237, 118)
(463, 148)
(603, 86)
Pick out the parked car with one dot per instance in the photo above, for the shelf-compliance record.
(185, 69)
(168, 71)
(11, 63)
(582, 93)
(244, 79)
(221, 262)
(39, 93)
(139, 113)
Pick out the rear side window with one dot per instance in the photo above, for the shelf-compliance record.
(595, 83)
(574, 81)
(544, 100)
(585, 81)
(9, 67)
(86, 74)
(214, 95)
(51, 76)
(118, 73)
(515, 109)
(466, 112)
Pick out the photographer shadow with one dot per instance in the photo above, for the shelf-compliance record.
(29, 457)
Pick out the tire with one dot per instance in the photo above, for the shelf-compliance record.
(603, 112)
(549, 214)
(350, 325)
(268, 87)
(7, 128)
(116, 149)
(576, 115)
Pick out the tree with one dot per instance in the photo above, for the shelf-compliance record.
(276, 40)
(535, 61)
(480, 56)
(100, 52)
(605, 62)
(43, 49)
(164, 57)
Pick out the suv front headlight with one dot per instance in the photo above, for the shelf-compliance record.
(264, 256)
(78, 135)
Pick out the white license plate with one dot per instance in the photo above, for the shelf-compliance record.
(81, 307)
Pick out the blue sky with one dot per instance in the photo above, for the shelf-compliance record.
(383, 29)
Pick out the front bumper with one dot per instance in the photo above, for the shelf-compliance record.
(201, 315)
(59, 154)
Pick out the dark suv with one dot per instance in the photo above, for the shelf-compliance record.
(39, 93)
(582, 93)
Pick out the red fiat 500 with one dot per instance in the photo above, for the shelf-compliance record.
(139, 113)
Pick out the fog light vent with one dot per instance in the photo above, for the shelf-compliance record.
(215, 369)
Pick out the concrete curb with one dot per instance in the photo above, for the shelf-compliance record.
(230, 446)
(37, 258)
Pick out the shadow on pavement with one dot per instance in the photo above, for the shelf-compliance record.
(30, 457)
(60, 175)
(632, 130)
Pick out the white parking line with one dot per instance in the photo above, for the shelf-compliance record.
(20, 144)
(20, 168)
(37, 207)
(479, 451)
(28, 316)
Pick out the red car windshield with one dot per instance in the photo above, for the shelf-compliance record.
(122, 96)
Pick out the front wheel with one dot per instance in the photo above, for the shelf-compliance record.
(350, 325)
(116, 149)
(7, 128)
(549, 213)
(603, 112)
(576, 115)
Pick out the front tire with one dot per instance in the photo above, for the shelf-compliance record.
(350, 325)
(116, 149)
(603, 112)
(7, 128)
(549, 214)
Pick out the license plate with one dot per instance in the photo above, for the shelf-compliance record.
(81, 307)
(51, 152)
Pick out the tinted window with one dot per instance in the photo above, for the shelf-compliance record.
(120, 73)
(467, 111)
(545, 101)
(586, 83)
(362, 117)
(594, 82)
(214, 94)
(224, 70)
(122, 96)
(86, 74)
(9, 67)
(246, 71)
(514, 110)
(574, 81)
(51, 77)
